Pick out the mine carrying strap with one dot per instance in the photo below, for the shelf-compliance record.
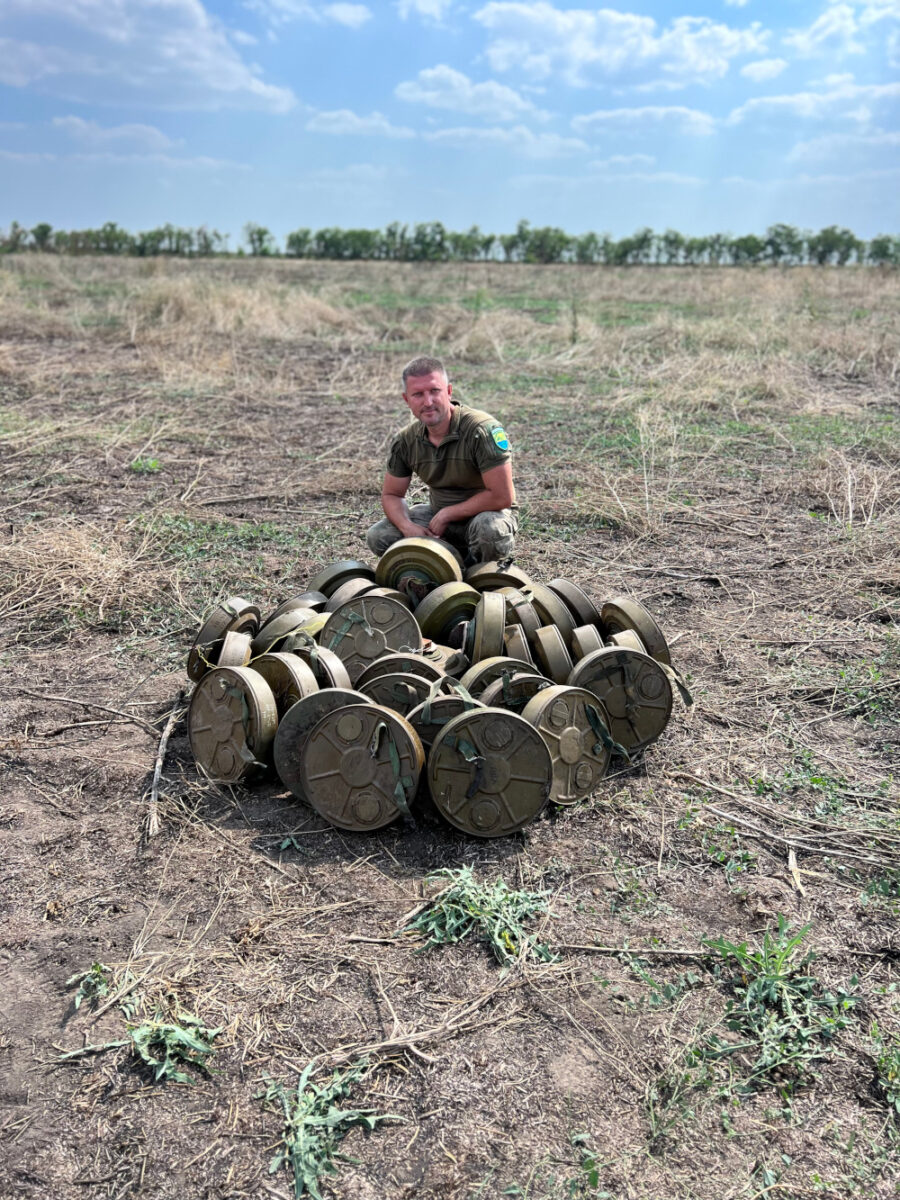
(353, 618)
(605, 741)
(446, 685)
(464, 747)
(402, 783)
(674, 677)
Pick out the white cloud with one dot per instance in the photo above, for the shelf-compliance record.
(23, 63)
(243, 38)
(879, 10)
(598, 45)
(763, 69)
(444, 87)
(343, 121)
(831, 32)
(817, 105)
(165, 53)
(360, 175)
(686, 120)
(652, 85)
(568, 182)
(436, 10)
(280, 12)
(108, 158)
(90, 133)
(852, 179)
(659, 177)
(518, 139)
(26, 156)
(737, 3)
(622, 160)
(834, 145)
(872, 176)
(166, 161)
(352, 15)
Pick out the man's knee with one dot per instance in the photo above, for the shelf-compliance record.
(492, 535)
(381, 535)
(384, 533)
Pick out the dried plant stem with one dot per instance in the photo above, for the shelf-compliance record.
(116, 712)
(463, 1021)
(153, 806)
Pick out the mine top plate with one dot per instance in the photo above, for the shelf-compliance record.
(573, 723)
(232, 720)
(295, 726)
(488, 576)
(489, 772)
(364, 629)
(361, 767)
(428, 561)
(579, 603)
(634, 689)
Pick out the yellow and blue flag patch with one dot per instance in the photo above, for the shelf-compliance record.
(501, 441)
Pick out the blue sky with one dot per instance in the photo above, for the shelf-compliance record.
(714, 115)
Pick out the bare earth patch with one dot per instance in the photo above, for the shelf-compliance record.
(722, 444)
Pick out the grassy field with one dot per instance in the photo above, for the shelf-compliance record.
(722, 444)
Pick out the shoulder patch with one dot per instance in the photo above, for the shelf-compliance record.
(501, 441)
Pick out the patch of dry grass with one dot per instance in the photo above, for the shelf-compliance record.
(175, 308)
(855, 494)
(56, 570)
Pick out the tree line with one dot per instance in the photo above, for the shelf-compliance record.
(431, 241)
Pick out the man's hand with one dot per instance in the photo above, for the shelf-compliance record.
(395, 508)
(437, 526)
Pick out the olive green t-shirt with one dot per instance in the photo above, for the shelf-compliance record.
(453, 470)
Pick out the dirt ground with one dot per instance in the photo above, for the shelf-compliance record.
(723, 445)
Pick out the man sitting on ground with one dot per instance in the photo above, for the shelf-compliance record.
(463, 457)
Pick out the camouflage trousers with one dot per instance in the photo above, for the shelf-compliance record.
(483, 538)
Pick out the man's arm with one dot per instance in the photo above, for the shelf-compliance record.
(498, 493)
(393, 491)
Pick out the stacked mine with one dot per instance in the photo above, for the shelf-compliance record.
(379, 688)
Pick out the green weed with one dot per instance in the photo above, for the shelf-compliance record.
(588, 1165)
(886, 1052)
(766, 1178)
(867, 693)
(865, 1160)
(668, 1097)
(883, 887)
(144, 466)
(314, 1125)
(783, 1017)
(630, 898)
(164, 1045)
(562, 1185)
(93, 984)
(493, 913)
(814, 432)
(663, 994)
(184, 538)
(167, 1045)
(723, 845)
(802, 775)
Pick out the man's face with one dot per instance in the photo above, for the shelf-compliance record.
(428, 398)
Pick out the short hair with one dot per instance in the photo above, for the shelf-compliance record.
(424, 365)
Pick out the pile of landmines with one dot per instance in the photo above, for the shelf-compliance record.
(500, 692)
